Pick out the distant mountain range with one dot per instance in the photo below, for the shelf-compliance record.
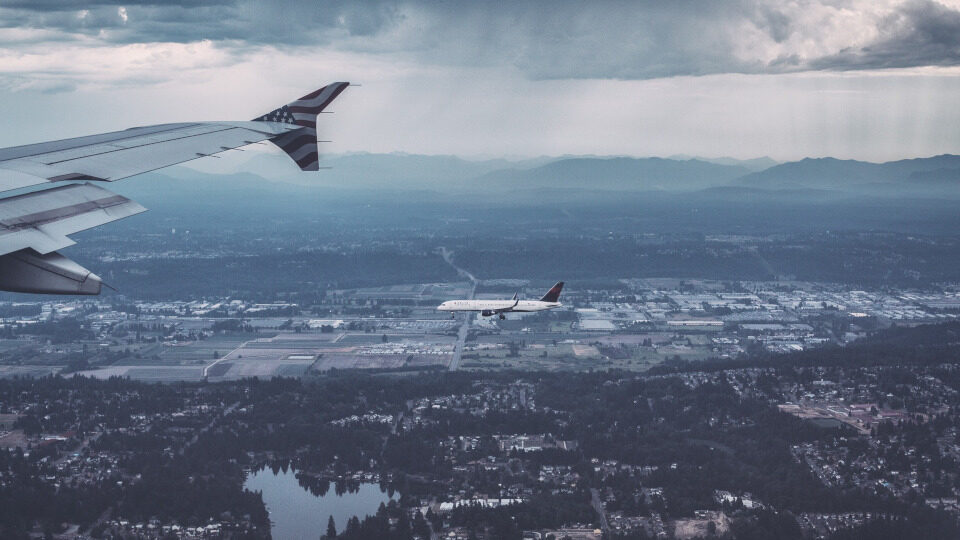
(831, 173)
(616, 174)
(755, 164)
(363, 171)
(922, 177)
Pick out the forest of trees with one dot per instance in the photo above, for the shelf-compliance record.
(698, 439)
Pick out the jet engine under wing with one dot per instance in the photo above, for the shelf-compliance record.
(33, 225)
(30, 272)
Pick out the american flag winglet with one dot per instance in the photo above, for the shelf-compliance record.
(301, 144)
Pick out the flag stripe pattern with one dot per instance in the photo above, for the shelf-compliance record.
(301, 144)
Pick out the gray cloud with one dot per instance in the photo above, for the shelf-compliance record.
(621, 40)
(283, 22)
(918, 33)
(613, 39)
(777, 24)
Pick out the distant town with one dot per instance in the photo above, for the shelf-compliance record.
(789, 451)
(274, 366)
(639, 325)
(664, 408)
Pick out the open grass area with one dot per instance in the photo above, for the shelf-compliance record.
(193, 353)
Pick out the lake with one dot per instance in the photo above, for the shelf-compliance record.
(296, 513)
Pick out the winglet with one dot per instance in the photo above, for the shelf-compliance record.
(301, 144)
(553, 294)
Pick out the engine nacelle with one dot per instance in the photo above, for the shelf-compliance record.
(30, 272)
(488, 313)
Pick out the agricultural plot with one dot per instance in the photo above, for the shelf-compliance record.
(264, 366)
(193, 353)
(202, 352)
(7, 345)
(348, 360)
(27, 371)
(149, 373)
(360, 339)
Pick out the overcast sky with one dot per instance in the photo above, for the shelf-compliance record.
(866, 79)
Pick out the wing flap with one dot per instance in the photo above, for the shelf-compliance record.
(19, 179)
(42, 220)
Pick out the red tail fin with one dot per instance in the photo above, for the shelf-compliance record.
(553, 294)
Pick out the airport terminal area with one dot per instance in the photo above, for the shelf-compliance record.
(638, 325)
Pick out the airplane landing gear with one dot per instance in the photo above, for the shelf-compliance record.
(502, 316)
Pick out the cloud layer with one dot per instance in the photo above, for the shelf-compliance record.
(874, 79)
(541, 39)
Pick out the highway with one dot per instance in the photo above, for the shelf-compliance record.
(468, 317)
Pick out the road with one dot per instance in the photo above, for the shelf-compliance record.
(598, 506)
(206, 370)
(213, 421)
(227, 411)
(468, 317)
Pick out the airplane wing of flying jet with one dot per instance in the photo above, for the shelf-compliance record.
(34, 225)
(516, 302)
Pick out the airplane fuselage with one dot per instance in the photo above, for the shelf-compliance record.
(489, 308)
(497, 306)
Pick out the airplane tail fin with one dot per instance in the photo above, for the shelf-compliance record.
(553, 294)
(301, 144)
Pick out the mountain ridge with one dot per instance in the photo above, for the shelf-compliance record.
(924, 176)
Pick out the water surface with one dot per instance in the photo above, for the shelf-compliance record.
(296, 513)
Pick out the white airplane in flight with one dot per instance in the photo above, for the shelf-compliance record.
(35, 225)
(488, 308)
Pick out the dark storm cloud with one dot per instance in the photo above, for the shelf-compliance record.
(541, 39)
(918, 33)
(284, 22)
(67, 5)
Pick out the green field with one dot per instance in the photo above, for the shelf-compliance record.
(193, 353)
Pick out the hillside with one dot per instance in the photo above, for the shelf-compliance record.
(617, 174)
(832, 173)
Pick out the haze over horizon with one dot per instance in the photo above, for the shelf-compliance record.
(864, 80)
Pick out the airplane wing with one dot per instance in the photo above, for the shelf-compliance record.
(516, 302)
(32, 226)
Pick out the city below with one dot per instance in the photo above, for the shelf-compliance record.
(642, 323)
(662, 408)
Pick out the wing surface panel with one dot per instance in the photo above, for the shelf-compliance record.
(42, 220)
(124, 157)
(27, 150)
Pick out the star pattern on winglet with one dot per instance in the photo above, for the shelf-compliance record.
(282, 115)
